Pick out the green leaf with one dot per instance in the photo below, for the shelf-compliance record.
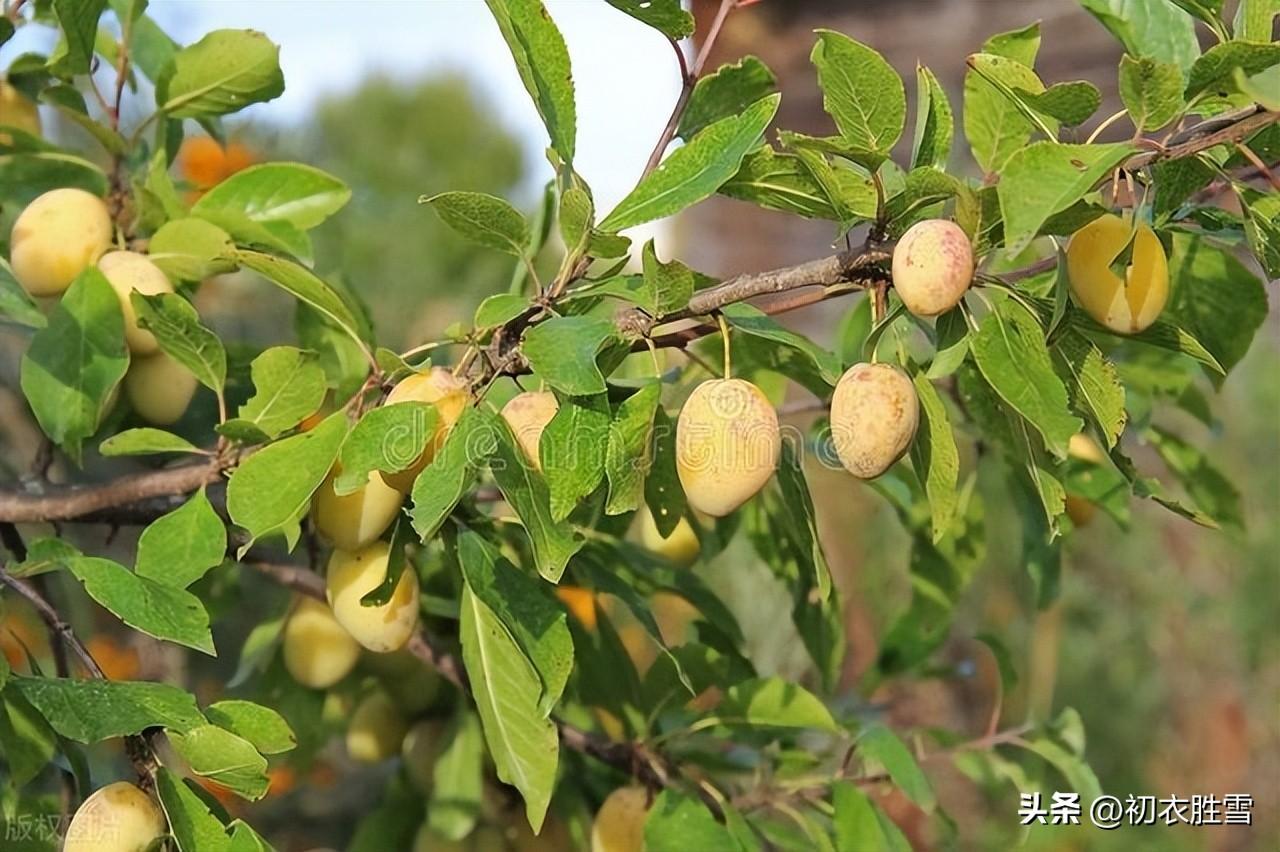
(389, 438)
(573, 451)
(224, 758)
(222, 73)
(935, 457)
(862, 94)
(457, 790)
(305, 286)
(670, 283)
(1212, 492)
(245, 839)
(1045, 178)
(301, 195)
(1215, 298)
(78, 20)
(695, 171)
(663, 493)
(935, 124)
(726, 92)
(1262, 226)
(26, 740)
(262, 726)
(89, 711)
(191, 249)
(181, 547)
(15, 303)
(23, 176)
(1011, 353)
(1215, 70)
(176, 325)
(1070, 103)
(73, 366)
(803, 528)
(156, 609)
(879, 744)
(778, 182)
(193, 824)
(858, 823)
(563, 350)
(630, 449)
(1092, 382)
(442, 483)
(278, 235)
(1151, 91)
(951, 344)
(553, 542)
(666, 16)
(577, 220)
(543, 62)
(775, 703)
(144, 441)
(289, 385)
(271, 490)
(752, 321)
(499, 309)
(1154, 28)
(1254, 19)
(522, 741)
(995, 125)
(676, 821)
(1021, 45)
(484, 219)
(526, 608)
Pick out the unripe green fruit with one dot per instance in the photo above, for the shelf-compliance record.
(619, 824)
(127, 271)
(318, 651)
(1127, 305)
(16, 110)
(874, 415)
(727, 445)
(421, 750)
(932, 267)
(449, 394)
(376, 730)
(528, 415)
(58, 236)
(681, 547)
(159, 388)
(116, 818)
(352, 575)
(355, 520)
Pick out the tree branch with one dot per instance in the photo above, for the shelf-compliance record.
(74, 502)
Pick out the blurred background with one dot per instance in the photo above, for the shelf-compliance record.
(1166, 636)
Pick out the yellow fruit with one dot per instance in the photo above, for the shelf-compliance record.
(159, 388)
(619, 824)
(727, 445)
(352, 575)
(420, 750)
(681, 547)
(1125, 306)
(580, 602)
(449, 394)
(528, 415)
(116, 818)
(674, 615)
(127, 271)
(58, 236)
(17, 110)
(376, 730)
(318, 651)
(352, 521)
(1082, 447)
(932, 267)
(874, 414)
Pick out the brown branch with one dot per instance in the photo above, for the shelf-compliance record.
(1197, 140)
(72, 502)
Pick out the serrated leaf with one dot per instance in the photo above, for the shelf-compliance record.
(144, 441)
(666, 16)
(573, 451)
(270, 491)
(1070, 103)
(89, 711)
(542, 59)
(484, 219)
(577, 220)
(1092, 383)
(522, 741)
(289, 385)
(1262, 226)
(727, 91)
(671, 283)
(935, 457)
(1151, 91)
(389, 438)
(862, 94)
(296, 193)
(630, 449)
(181, 547)
(935, 124)
(778, 182)
(156, 609)
(1215, 69)
(263, 727)
(996, 125)
(1154, 28)
(222, 73)
(563, 350)
(224, 758)
(750, 320)
(499, 309)
(73, 366)
(442, 483)
(176, 325)
(696, 171)
(775, 703)
(191, 249)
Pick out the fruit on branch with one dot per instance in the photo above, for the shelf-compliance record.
(449, 394)
(580, 602)
(1124, 305)
(116, 818)
(352, 575)
(413, 684)
(159, 388)
(376, 730)
(932, 267)
(1080, 510)
(681, 547)
(17, 110)
(874, 415)
(727, 445)
(674, 616)
(528, 415)
(318, 651)
(420, 750)
(619, 824)
(355, 520)
(127, 271)
(59, 235)
(1084, 448)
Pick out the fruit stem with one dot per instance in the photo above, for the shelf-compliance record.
(724, 334)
